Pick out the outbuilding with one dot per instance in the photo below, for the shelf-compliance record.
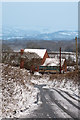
(37, 57)
(39, 60)
(52, 65)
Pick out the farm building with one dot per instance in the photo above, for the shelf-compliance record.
(35, 57)
(38, 60)
(53, 65)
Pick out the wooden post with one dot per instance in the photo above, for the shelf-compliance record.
(37, 68)
(22, 60)
(60, 61)
(65, 66)
(76, 54)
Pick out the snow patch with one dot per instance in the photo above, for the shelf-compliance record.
(37, 73)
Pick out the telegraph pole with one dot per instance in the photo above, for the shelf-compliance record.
(22, 59)
(60, 61)
(76, 54)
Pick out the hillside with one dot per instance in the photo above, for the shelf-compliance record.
(9, 33)
(15, 44)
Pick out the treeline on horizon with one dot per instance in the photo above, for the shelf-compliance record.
(16, 44)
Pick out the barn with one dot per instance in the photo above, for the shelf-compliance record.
(40, 55)
(42, 61)
(53, 65)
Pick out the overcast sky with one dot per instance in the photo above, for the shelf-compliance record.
(54, 16)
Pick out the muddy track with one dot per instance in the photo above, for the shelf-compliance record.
(67, 99)
(47, 107)
(70, 95)
(60, 106)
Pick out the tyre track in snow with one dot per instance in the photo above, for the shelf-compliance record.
(67, 99)
(46, 107)
(46, 110)
(77, 96)
(62, 107)
(70, 95)
(60, 113)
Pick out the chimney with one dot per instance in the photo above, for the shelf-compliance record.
(22, 51)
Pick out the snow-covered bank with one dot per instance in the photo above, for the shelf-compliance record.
(18, 93)
(70, 83)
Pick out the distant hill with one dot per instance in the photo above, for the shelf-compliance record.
(17, 39)
(22, 34)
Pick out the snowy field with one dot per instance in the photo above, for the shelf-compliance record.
(21, 93)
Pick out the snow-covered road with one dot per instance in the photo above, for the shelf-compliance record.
(53, 103)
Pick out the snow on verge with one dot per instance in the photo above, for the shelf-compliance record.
(64, 84)
(18, 93)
